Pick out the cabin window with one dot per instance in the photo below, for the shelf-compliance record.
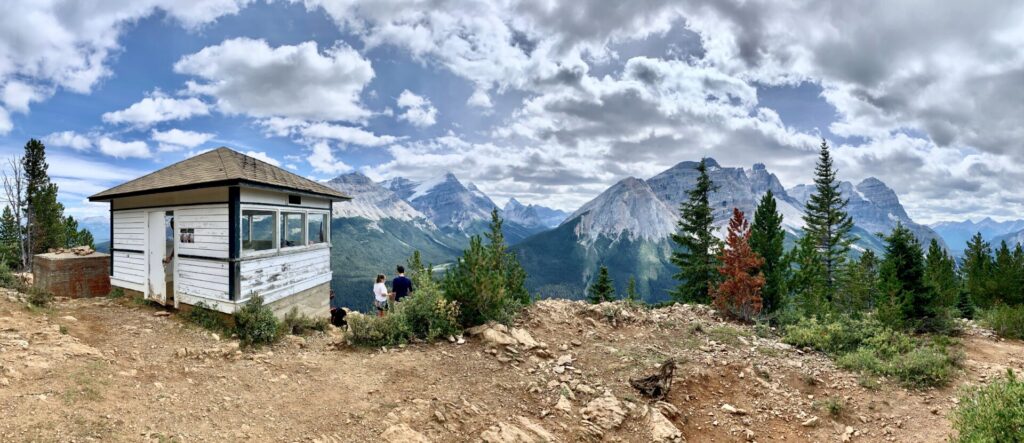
(293, 226)
(258, 230)
(317, 228)
(294, 199)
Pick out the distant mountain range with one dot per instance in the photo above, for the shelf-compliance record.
(627, 227)
(385, 222)
(957, 233)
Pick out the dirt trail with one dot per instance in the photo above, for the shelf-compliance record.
(98, 369)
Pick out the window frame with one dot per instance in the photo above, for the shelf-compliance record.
(275, 216)
(325, 220)
(282, 226)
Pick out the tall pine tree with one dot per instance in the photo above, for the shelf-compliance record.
(806, 282)
(940, 275)
(1004, 275)
(977, 271)
(903, 279)
(44, 214)
(10, 239)
(767, 240)
(603, 289)
(826, 220)
(696, 255)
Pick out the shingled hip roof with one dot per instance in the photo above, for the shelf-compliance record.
(219, 167)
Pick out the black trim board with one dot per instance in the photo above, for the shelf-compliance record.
(200, 257)
(134, 251)
(234, 240)
(111, 238)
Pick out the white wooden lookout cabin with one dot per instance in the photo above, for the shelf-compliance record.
(219, 228)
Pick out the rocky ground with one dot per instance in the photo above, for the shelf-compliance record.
(115, 370)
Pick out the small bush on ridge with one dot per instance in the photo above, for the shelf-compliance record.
(255, 323)
(1007, 321)
(301, 324)
(201, 315)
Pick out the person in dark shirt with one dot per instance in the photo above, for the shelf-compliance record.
(401, 285)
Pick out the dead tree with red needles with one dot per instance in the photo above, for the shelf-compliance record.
(739, 294)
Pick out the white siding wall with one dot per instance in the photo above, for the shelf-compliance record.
(282, 275)
(130, 235)
(211, 230)
(202, 278)
(195, 277)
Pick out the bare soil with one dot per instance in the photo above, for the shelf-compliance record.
(117, 370)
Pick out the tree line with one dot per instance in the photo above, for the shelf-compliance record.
(33, 220)
(751, 276)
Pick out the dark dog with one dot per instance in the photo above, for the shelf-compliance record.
(337, 314)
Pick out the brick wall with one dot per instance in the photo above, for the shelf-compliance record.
(69, 275)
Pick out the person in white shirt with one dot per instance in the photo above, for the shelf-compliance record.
(380, 295)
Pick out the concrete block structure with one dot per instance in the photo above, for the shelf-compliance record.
(68, 275)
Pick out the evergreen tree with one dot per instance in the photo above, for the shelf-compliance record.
(515, 275)
(977, 271)
(487, 282)
(1018, 260)
(44, 214)
(857, 285)
(603, 289)
(696, 256)
(1004, 276)
(767, 240)
(10, 240)
(826, 219)
(940, 275)
(903, 280)
(85, 239)
(631, 294)
(806, 282)
(739, 293)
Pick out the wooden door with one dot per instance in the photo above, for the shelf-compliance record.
(156, 247)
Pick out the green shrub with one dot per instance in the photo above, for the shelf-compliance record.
(255, 323)
(115, 293)
(1007, 321)
(864, 345)
(8, 279)
(925, 367)
(38, 297)
(428, 314)
(206, 318)
(301, 324)
(372, 331)
(991, 413)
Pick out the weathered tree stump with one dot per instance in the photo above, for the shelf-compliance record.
(656, 386)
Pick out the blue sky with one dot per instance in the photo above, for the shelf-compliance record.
(547, 101)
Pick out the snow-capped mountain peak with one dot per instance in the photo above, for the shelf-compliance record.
(371, 200)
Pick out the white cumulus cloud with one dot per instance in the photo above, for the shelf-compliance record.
(247, 76)
(157, 108)
(418, 110)
(174, 140)
(120, 149)
(69, 139)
